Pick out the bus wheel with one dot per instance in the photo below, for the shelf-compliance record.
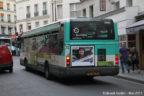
(47, 73)
(26, 66)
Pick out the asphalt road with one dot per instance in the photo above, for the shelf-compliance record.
(23, 83)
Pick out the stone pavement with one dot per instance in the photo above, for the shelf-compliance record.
(137, 75)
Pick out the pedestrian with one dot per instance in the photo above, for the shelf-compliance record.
(124, 53)
(134, 59)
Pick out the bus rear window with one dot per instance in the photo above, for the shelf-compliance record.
(92, 30)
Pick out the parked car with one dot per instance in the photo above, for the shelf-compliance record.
(6, 61)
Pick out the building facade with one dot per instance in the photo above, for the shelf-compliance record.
(128, 14)
(32, 14)
(7, 18)
(137, 29)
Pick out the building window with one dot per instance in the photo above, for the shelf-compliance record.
(9, 18)
(14, 7)
(44, 8)
(102, 5)
(15, 29)
(15, 18)
(131, 40)
(45, 22)
(3, 30)
(1, 5)
(74, 10)
(10, 31)
(84, 12)
(28, 26)
(60, 12)
(129, 3)
(36, 10)
(91, 11)
(2, 17)
(8, 6)
(36, 24)
(28, 12)
(20, 27)
(116, 5)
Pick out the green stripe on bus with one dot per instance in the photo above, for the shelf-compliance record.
(116, 31)
(67, 31)
(41, 30)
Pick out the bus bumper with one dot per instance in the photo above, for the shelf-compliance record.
(88, 71)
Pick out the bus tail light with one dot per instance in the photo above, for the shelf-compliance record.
(116, 59)
(68, 60)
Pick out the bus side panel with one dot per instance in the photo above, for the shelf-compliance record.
(24, 51)
(57, 60)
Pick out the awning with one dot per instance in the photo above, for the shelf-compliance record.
(137, 26)
(14, 36)
(20, 33)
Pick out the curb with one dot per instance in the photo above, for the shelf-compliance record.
(130, 79)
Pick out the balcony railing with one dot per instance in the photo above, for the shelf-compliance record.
(36, 14)
(44, 12)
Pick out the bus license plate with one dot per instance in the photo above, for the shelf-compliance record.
(93, 73)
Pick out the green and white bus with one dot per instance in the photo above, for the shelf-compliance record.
(73, 47)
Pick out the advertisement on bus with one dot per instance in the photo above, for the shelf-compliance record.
(82, 55)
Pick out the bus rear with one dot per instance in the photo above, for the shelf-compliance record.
(91, 47)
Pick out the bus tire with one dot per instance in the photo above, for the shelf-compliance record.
(47, 73)
(26, 66)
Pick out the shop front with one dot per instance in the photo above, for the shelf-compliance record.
(138, 29)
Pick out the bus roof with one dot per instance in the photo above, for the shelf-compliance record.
(41, 30)
(56, 25)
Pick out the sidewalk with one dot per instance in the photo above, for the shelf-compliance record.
(133, 76)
